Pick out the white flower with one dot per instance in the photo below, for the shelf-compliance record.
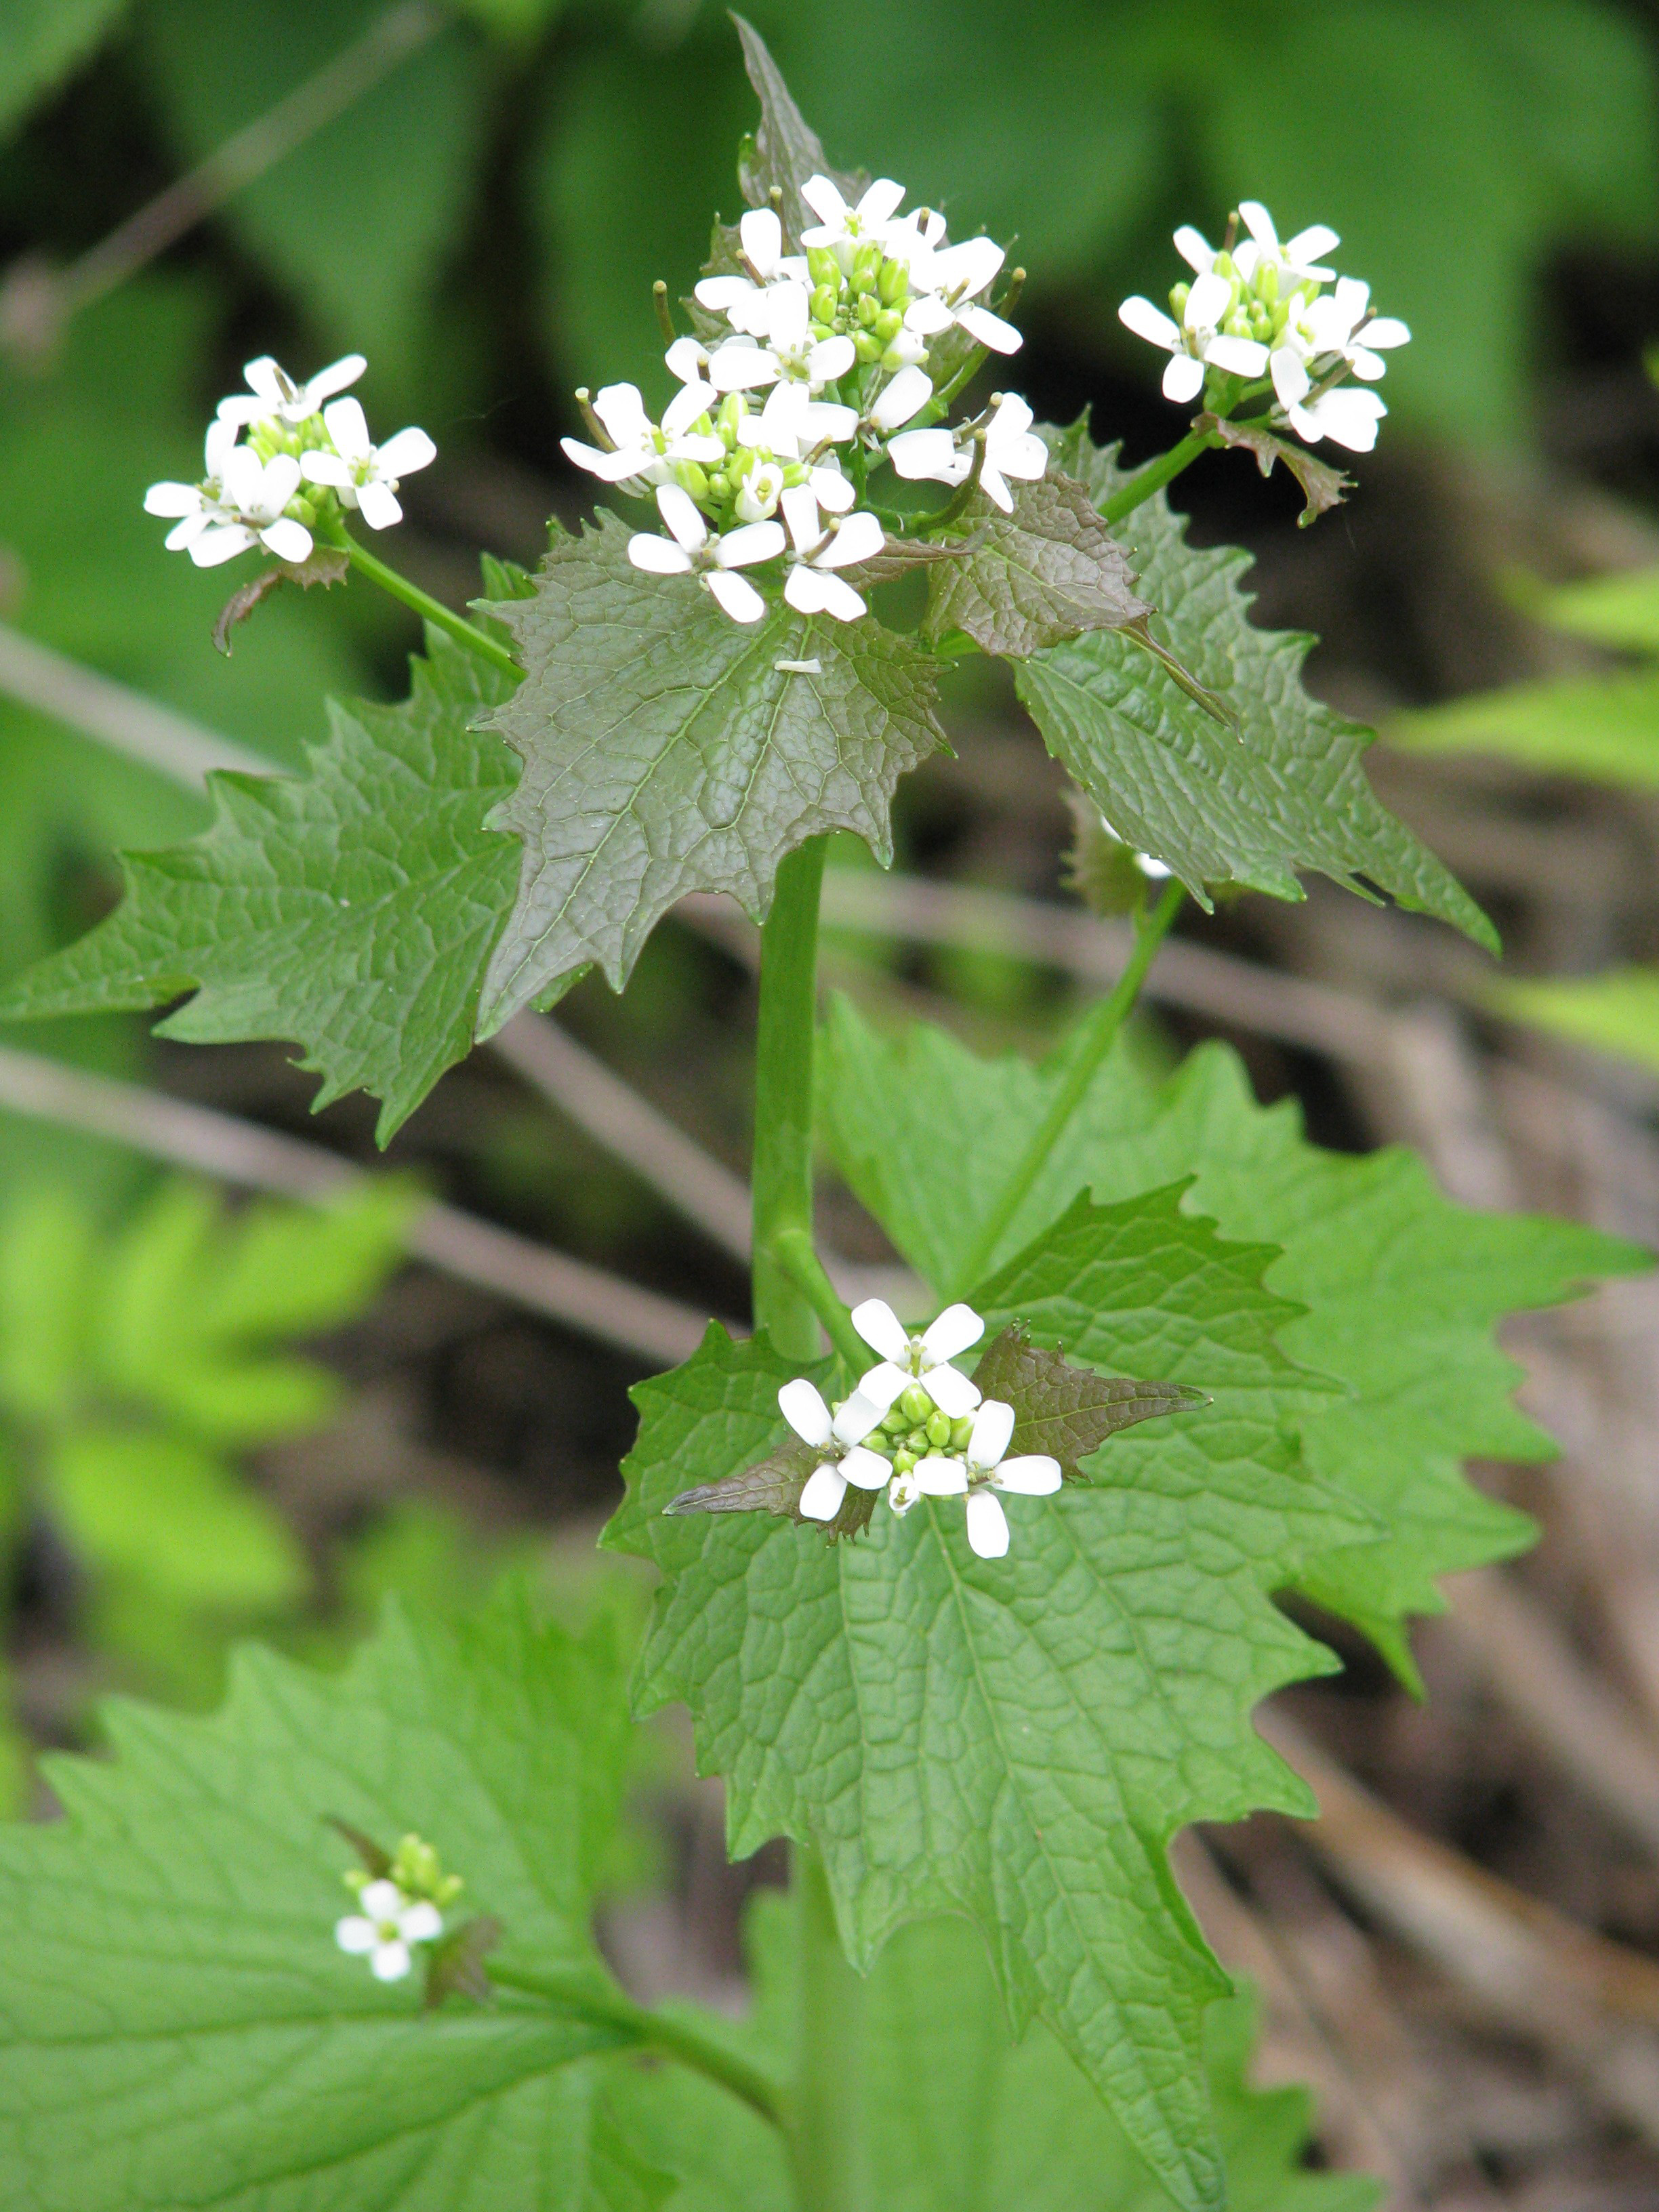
(1197, 339)
(1333, 326)
(981, 1472)
(840, 1437)
(253, 495)
(925, 1358)
(948, 283)
(1296, 258)
(275, 392)
(688, 549)
(790, 352)
(812, 587)
(1348, 416)
(904, 398)
(387, 1930)
(844, 229)
(1011, 449)
(365, 475)
(747, 304)
(198, 506)
(758, 495)
(641, 449)
(792, 423)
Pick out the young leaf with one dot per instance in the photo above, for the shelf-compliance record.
(1277, 790)
(350, 910)
(665, 751)
(774, 1484)
(785, 150)
(1322, 486)
(1035, 577)
(1017, 1739)
(1066, 1411)
(1402, 1288)
(177, 2023)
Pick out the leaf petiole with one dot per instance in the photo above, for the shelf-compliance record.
(792, 1250)
(433, 611)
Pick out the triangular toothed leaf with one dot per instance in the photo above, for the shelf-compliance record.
(784, 149)
(349, 910)
(1277, 789)
(1066, 1411)
(1402, 1288)
(1017, 1739)
(666, 751)
(1045, 573)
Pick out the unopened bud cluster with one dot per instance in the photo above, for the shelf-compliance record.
(1258, 309)
(399, 1910)
(916, 1427)
(285, 463)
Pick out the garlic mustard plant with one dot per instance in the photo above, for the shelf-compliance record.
(401, 1910)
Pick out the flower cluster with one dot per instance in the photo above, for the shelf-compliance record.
(399, 1910)
(1258, 309)
(823, 357)
(916, 1427)
(283, 461)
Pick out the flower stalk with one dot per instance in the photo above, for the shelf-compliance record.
(431, 609)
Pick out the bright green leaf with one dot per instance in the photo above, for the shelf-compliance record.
(1603, 727)
(664, 752)
(1252, 803)
(1617, 1012)
(1621, 610)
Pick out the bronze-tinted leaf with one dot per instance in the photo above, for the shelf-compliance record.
(785, 150)
(1047, 572)
(1322, 486)
(457, 1964)
(772, 1485)
(1068, 1411)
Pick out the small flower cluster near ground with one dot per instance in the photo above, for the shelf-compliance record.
(285, 462)
(399, 1910)
(917, 1427)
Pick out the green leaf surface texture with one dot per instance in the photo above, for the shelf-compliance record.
(1035, 577)
(1617, 1012)
(1278, 789)
(350, 910)
(1017, 1739)
(665, 752)
(176, 2024)
(1402, 1288)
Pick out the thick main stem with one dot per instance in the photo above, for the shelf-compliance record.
(783, 1100)
(825, 2139)
(433, 611)
(1095, 1038)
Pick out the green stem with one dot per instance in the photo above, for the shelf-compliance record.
(1156, 474)
(433, 611)
(1096, 1037)
(824, 2141)
(782, 1175)
(578, 1991)
(792, 1250)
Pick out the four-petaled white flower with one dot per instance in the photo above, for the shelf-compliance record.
(840, 1437)
(1337, 326)
(1347, 415)
(749, 303)
(199, 507)
(812, 587)
(981, 1472)
(273, 392)
(948, 283)
(902, 400)
(1296, 259)
(844, 229)
(388, 1928)
(254, 494)
(689, 549)
(924, 1358)
(792, 423)
(639, 449)
(1197, 341)
(1012, 448)
(365, 475)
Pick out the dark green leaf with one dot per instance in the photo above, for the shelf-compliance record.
(1040, 575)
(350, 910)
(664, 752)
(1278, 789)
(785, 150)
(41, 41)
(1067, 1411)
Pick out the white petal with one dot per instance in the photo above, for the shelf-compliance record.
(927, 316)
(762, 238)
(422, 1922)
(1311, 244)
(991, 483)
(1349, 416)
(289, 540)
(907, 395)
(994, 1424)
(753, 540)
(621, 410)
(348, 426)
(807, 590)
(989, 330)
(868, 1470)
(880, 203)
(940, 1477)
(244, 478)
(264, 376)
(952, 1332)
(1183, 379)
(681, 513)
(1238, 356)
(835, 597)
(378, 505)
(220, 443)
(1026, 457)
(391, 1962)
(1207, 303)
(1259, 224)
(902, 1492)
(823, 422)
(788, 311)
(831, 489)
(697, 446)
(356, 1935)
(186, 532)
(857, 1417)
(736, 595)
(1351, 298)
(690, 401)
(620, 467)
(824, 200)
(173, 499)
(931, 454)
(335, 377)
(325, 468)
(950, 1391)
(987, 1525)
(239, 411)
(221, 543)
(821, 1499)
(830, 358)
(881, 1385)
(738, 366)
(1033, 1474)
(1385, 331)
(281, 482)
(405, 451)
(584, 456)
(881, 1330)
(1290, 379)
(801, 1403)
(964, 271)
(800, 511)
(381, 1901)
(1194, 249)
(658, 556)
(1149, 322)
(858, 538)
(719, 294)
(686, 359)
(1367, 364)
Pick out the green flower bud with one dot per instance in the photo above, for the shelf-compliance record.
(1178, 296)
(823, 268)
(823, 303)
(893, 284)
(740, 464)
(730, 414)
(693, 479)
(302, 510)
(1267, 283)
(868, 310)
(895, 1420)
(904, 1461)
(887, 325)
(938, 1431)
(867, 266)
(917, 1403)
(961, 1431)
(866, 345)
(1225, 265)
(917, 1442)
